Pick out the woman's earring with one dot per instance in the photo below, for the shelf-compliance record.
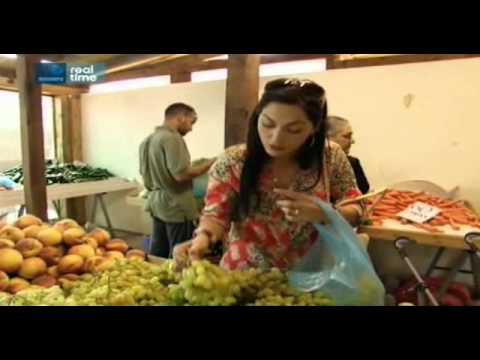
(312, 143)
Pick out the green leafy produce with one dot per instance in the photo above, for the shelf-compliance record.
(57, 173)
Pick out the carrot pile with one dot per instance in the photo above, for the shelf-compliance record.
(453, 213)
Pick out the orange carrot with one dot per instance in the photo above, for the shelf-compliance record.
(385, 213)
(388, 202)
(452, 224)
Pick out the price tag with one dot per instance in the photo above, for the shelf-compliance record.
(419, 212)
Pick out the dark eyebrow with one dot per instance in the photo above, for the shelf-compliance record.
(299, 122)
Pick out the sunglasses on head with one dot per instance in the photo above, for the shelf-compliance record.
(310, 88)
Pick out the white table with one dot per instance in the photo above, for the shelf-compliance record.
(392, 231)
(67, 191)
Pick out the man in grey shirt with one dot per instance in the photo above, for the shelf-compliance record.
(167, 175)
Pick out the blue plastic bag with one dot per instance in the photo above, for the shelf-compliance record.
(200, 183)
(7, 183)
(338, 265)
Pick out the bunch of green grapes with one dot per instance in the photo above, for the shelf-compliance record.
(291, 297)
(253, 281)
(34, 296)
(205, 284)
(167, 272)
(271, 288)
(127, 283)
(369, 293)
(4, 298)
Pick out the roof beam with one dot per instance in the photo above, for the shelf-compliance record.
(177, 64)
(51, 90)
(197, 62)
(396, 60)
(127, 61)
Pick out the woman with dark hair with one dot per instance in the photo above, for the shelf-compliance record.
(261, 198)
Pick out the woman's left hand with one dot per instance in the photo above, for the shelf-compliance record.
(300, 208)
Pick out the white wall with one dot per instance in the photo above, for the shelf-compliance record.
(434, 139)
(10, 139)
(115, 124)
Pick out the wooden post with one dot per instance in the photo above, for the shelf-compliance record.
(330, 61)
(242, 95)
(33, 151)
(68, 128)
(179, 77)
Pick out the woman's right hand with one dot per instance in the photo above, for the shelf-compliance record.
(192, 250)
(180, 253)
(199, 248)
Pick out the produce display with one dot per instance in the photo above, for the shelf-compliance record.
(453, 213)
(33, 253)
(133, 282)
(57, 173)
(63, 265)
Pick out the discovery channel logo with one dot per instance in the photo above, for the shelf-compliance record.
(67, 74)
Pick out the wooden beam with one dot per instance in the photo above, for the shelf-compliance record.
(186, 66)
(33, 152)
(178, 64)
(398, 59)
(181, 77)
(68, 129)
(330, 61)
(241, 95)
(79, 58)
(51, 90)
(7, 73)
(53, 57)
(58, 127)
(8, 80)
(125, 62)
(76, 127)
(277, 58)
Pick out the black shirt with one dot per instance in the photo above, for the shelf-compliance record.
(362, 181)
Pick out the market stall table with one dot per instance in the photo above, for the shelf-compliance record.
(393, 231)
(97, 189)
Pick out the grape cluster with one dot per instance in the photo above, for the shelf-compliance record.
(125, 284)
(131, 282)
(206, 284)
(53, 296)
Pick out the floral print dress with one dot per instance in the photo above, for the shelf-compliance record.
(266, 238)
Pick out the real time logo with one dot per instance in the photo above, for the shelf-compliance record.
(61, 73)
(85, 74)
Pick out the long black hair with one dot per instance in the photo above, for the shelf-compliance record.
(311, 98)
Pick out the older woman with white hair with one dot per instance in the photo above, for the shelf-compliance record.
(340, 132)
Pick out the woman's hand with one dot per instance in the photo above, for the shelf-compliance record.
(180, 253)
(200, 247)
(192, 250)
(300, 208)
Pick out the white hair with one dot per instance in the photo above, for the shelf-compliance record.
(335, 124)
